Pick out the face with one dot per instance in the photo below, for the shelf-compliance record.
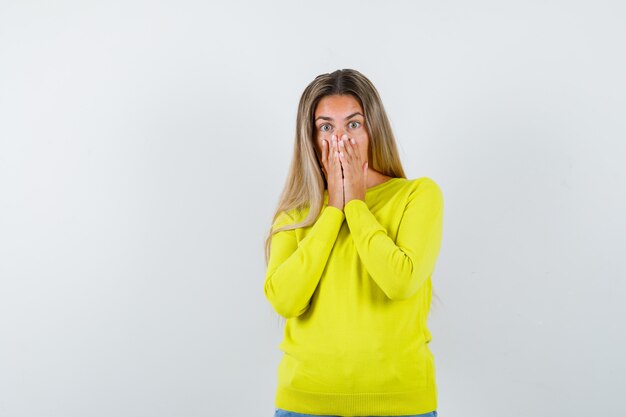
(339, 115)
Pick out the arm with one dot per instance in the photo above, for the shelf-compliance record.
(294, 269)
(400, 268)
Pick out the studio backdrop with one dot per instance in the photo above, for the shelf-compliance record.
(144, 145)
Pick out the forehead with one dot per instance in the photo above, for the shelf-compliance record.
(341, 105)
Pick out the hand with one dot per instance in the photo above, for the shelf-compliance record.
(332, 170)
(354, 169)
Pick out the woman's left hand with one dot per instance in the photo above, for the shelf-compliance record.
(354, 169)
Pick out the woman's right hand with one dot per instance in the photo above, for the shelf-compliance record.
(331, 165)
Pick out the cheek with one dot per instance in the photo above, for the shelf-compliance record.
(361, 137)
(362, 141)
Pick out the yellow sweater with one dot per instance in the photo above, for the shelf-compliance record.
(356, 295)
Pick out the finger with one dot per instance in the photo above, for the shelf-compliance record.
(337, 153)
(324, 154)
(355, 145)
(345, 163)
(340, 166)
(333, 159)
(348, 149)
(346, 157)
(333, 141)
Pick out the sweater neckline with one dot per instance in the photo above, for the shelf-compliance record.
(381, 185)
(373, 189)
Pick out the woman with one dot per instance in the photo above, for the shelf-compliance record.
(349, 260)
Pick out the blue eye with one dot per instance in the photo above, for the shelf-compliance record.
(354, 127)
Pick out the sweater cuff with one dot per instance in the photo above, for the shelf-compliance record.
(335, 215)
(360, 219)
(353, 206)
(328, 224)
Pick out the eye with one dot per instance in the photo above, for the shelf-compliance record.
(325, 127)
(354, 125)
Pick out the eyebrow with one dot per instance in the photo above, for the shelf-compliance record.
(330, 118)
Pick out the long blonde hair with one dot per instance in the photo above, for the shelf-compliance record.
(305, 183)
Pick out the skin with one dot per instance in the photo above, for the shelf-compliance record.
(342, 139)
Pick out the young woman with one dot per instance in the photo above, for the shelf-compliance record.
(349, 257)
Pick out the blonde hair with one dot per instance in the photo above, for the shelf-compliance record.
(305, 183)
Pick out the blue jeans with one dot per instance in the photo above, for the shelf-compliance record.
(279, 412)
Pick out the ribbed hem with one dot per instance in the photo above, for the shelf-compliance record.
(358, 404)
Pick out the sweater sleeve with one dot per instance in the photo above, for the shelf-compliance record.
(295, 268)
(400, 268)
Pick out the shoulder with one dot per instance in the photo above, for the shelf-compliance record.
(283, 218)
(425, 182)
(426, 189)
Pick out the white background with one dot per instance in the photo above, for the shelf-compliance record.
(143, 146)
